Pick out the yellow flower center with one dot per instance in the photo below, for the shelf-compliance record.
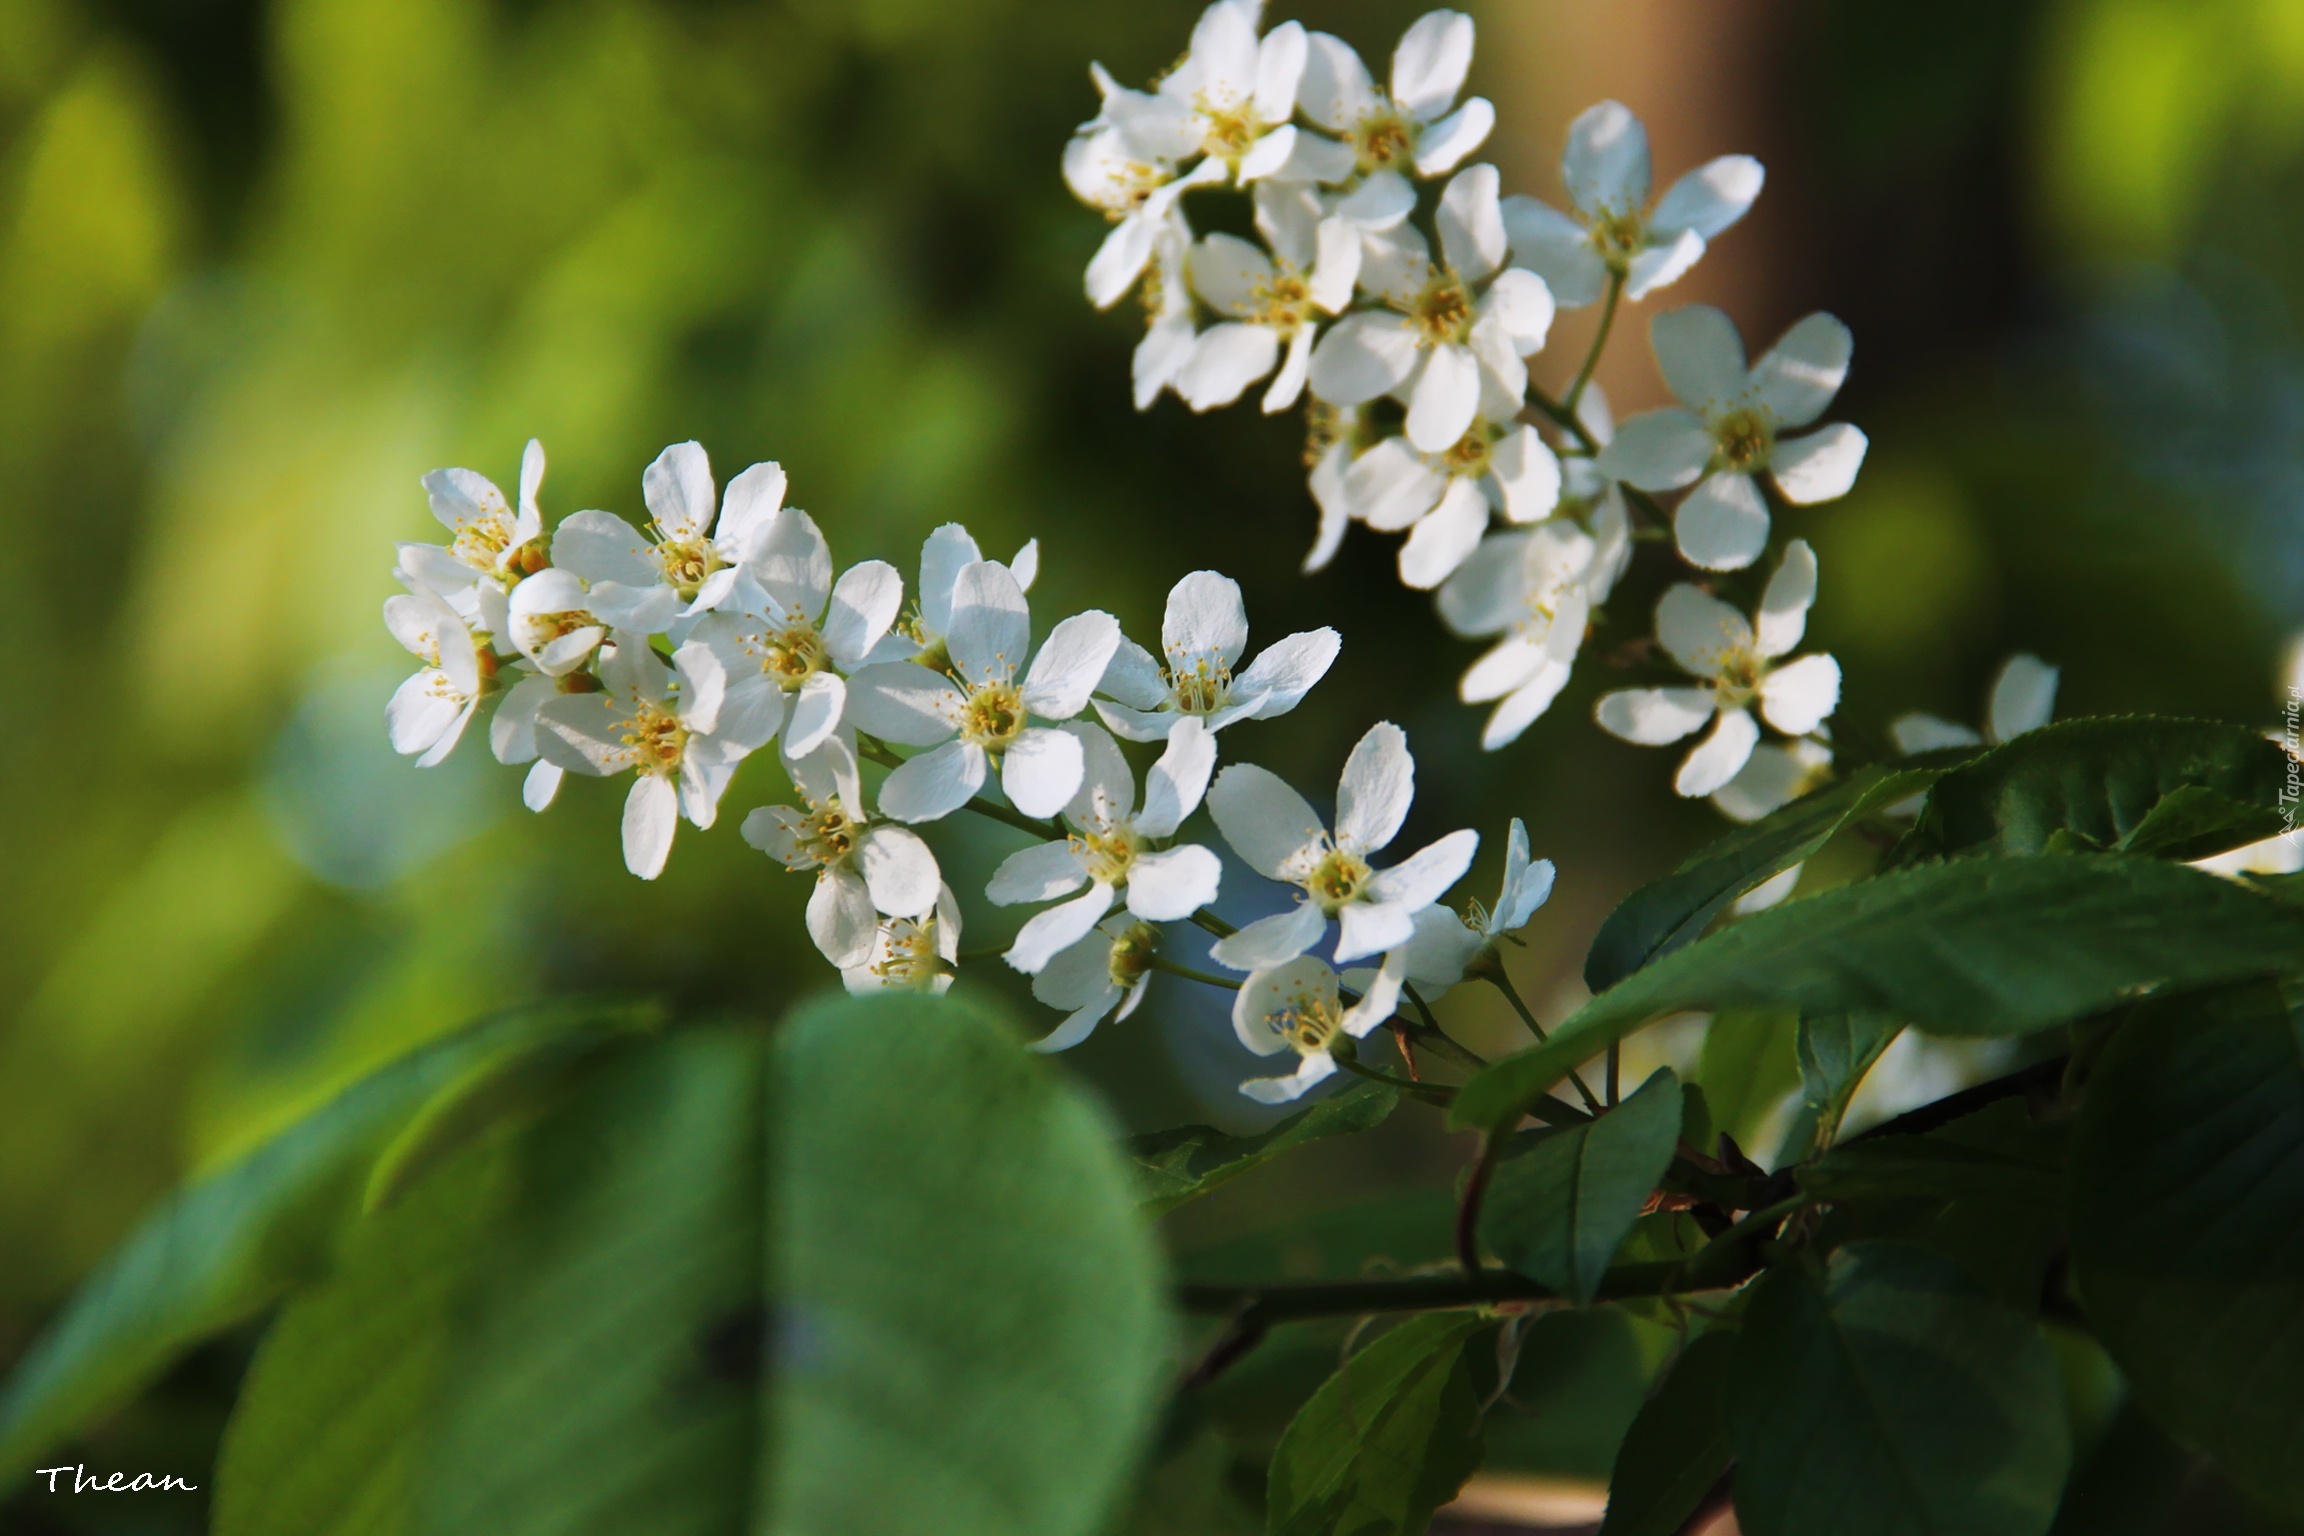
(1228, 127)
(686, 562)
(657, 739)
(1738, 682)
(1442, 313)
(1381, 139)
(1619, 236)
(1467, 457)
(993, 717)
(910, 959)
(1337, 880)
(792, 655)
(1132, 954)
(1742, 440)
(829, 833)
(1308, 1022)
(1284, 302)
(1108, 855)
(1203, 689)
(1131, 184)
(480, 541)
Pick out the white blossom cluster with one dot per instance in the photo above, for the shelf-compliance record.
(1397, 287)
(674, 652)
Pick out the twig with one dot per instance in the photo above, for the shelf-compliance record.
(1468, 1208)
(1503, 983)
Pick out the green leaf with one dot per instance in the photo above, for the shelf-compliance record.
(1558, 1208)
(226, 1246)
(1677, 1448)
(1930, 1168)
(2174, 789)
(1386, 1440)
(1189, 1161)
(572, 1346)
(1665, 914)
(1893, 1397)
(2187, 1197)
(1750, 1062)
(972, 1317)
(1836, 1050)
(1997, 946)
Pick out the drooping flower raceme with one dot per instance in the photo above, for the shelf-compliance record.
(1296, 1006)
(1609, 229)
(1106, 971)
(1281, 837)
(1726, 430)
(1202, 635)
(1738, 664)
(645, 584)
(1415, 127)
(680, 729)
(1113, 848)
(865, 869)
(981, 713)
(2023, 697)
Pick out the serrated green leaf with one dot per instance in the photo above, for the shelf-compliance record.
(225, 1246)
(1189, 1161)
(1998, 946)
(1893, 1397)
(1750, 1062)
(1558, 1209)
(2175, 789)
(1665, 914)
(973, 1319)
(1386, 1440)
(1678, 1446)
(2187, 1195)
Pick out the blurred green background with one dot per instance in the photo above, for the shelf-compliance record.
(264, 262)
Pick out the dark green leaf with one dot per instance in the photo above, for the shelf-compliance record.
(226, 1246)
(1386, 1440)
(1929, 1168)
(2176, 789)
(1750, 1062)
(1836, 1050)
(1677, 1448)
(1559, 1207)
(972, 1320)
(1997, 946)
(1187, 1162)
(1664, 914)
(2187, 1198)
(1188, 1491)
(1893, 1397)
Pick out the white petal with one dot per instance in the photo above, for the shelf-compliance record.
(1919, 732)
(1295, 367)
(1709, 198)
(1229, 273)
(791, 561)
(934, 784)
(1271, 941)
(1441, 541)
(1226, 359)
(1175, 785)
(583, 733)
(1135, 724)
(1488, 593)
(1527, 884)
(1556, 248)
(903, 702)
(1132, 676)
(1270, 154)
(1379, 203)
(1336, 267)
(1506, 666)
(1367, 928)
(1389, 487)
(1267, 823)
(678, 490)
(1445, 399)
(1520, 302)
(1335, 90)
(1080, 975)
(1374, 791)
(512, 733)
(1801, 373)
(1363, 356)
(542, 783)
(1819, 466)
(1434, 956)
(423, 709)
(1024, 565)
(1070, 664)
(751, 499)
(1471, 223)
(1701, 356)
(1041, 771)
(816, 712)
(1658, 450)
(1172, 884)
(1425, 875)
(2023, 697)
(947, 552)
(1699, 631)
(1328, 493)
(1660, 266)
(1120, 260)
(1798, 698)
(1528, 473)
(991, 629)
(1287, 1090)
(600, 546)
(1285, 671)
(1275, 994)
(841, 919)
(645, 610)
(1058, 929)
(703, 685)
(1166, 346)
(1107, 792)
(1312, 158)
(864, 604)
(1606, 163)
(1722, 525)
(1720, 756)
(1429, 66)
(1784, 606)
(651, 815)
(1523, 706)
(1041, 872)
(1766, 783)
(1442, 146)
(1081, 1022)
(1279, 67)
(1653, 717)
(461, 496)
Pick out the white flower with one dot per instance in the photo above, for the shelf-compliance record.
(1270, 826)
(2280, 854)
(1609, 227)
(644, 584)
(512, 731)
(1111, 850)
(681, 729)
(981, 712)
(1443, 948)
(1417, 125)
(1105, 971)
(865, 870)
(792, 625)
(2022, 699)
(1275, 301)
(1202, 635)
(1726, 430)
(1597, 501)
(429, 711)
(943, 556)
(549, 620)
(1773, 777)
(1532, 588)
(1295, 1006)
(1337, 436)
(1444, 499)
(1170, 331)
(1738, 665)
(912, 954)
(492, 545)
(1450, 343)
